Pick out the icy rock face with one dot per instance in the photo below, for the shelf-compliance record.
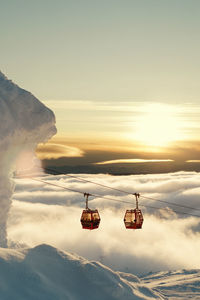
(45, 272)
(24, 122)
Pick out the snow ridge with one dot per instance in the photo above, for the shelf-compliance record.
(45, 272)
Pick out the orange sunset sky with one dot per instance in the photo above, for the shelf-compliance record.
(122, 77)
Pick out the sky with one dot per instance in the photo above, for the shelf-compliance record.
(120, 76)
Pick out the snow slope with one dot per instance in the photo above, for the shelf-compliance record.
(175, 284)
(47, 273)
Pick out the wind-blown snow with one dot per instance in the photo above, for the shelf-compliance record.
(24, 122)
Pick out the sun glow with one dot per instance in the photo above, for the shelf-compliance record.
(158, 125)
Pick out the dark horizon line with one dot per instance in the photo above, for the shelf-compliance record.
(122, 169)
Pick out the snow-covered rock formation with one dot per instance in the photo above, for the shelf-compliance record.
(24, 122)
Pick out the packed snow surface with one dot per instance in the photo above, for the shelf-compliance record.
(46, 273)
(24, 122)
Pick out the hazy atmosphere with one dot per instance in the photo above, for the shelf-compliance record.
(121, 77)
(99, 109)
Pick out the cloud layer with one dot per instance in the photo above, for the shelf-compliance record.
(44, 213)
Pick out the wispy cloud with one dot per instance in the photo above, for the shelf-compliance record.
(131, 161)
(52, 150)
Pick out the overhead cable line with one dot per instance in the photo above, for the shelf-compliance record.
(89, 181)
(71, 190)
(184, 206)
(122, 191)
(110, 199)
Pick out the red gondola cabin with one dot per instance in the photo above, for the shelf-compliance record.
(90, 218)
(133, 218)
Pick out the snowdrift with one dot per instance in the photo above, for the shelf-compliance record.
(47, 273)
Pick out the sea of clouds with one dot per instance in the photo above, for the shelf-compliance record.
(42, 213)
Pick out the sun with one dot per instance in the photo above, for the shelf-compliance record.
(157, 125)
